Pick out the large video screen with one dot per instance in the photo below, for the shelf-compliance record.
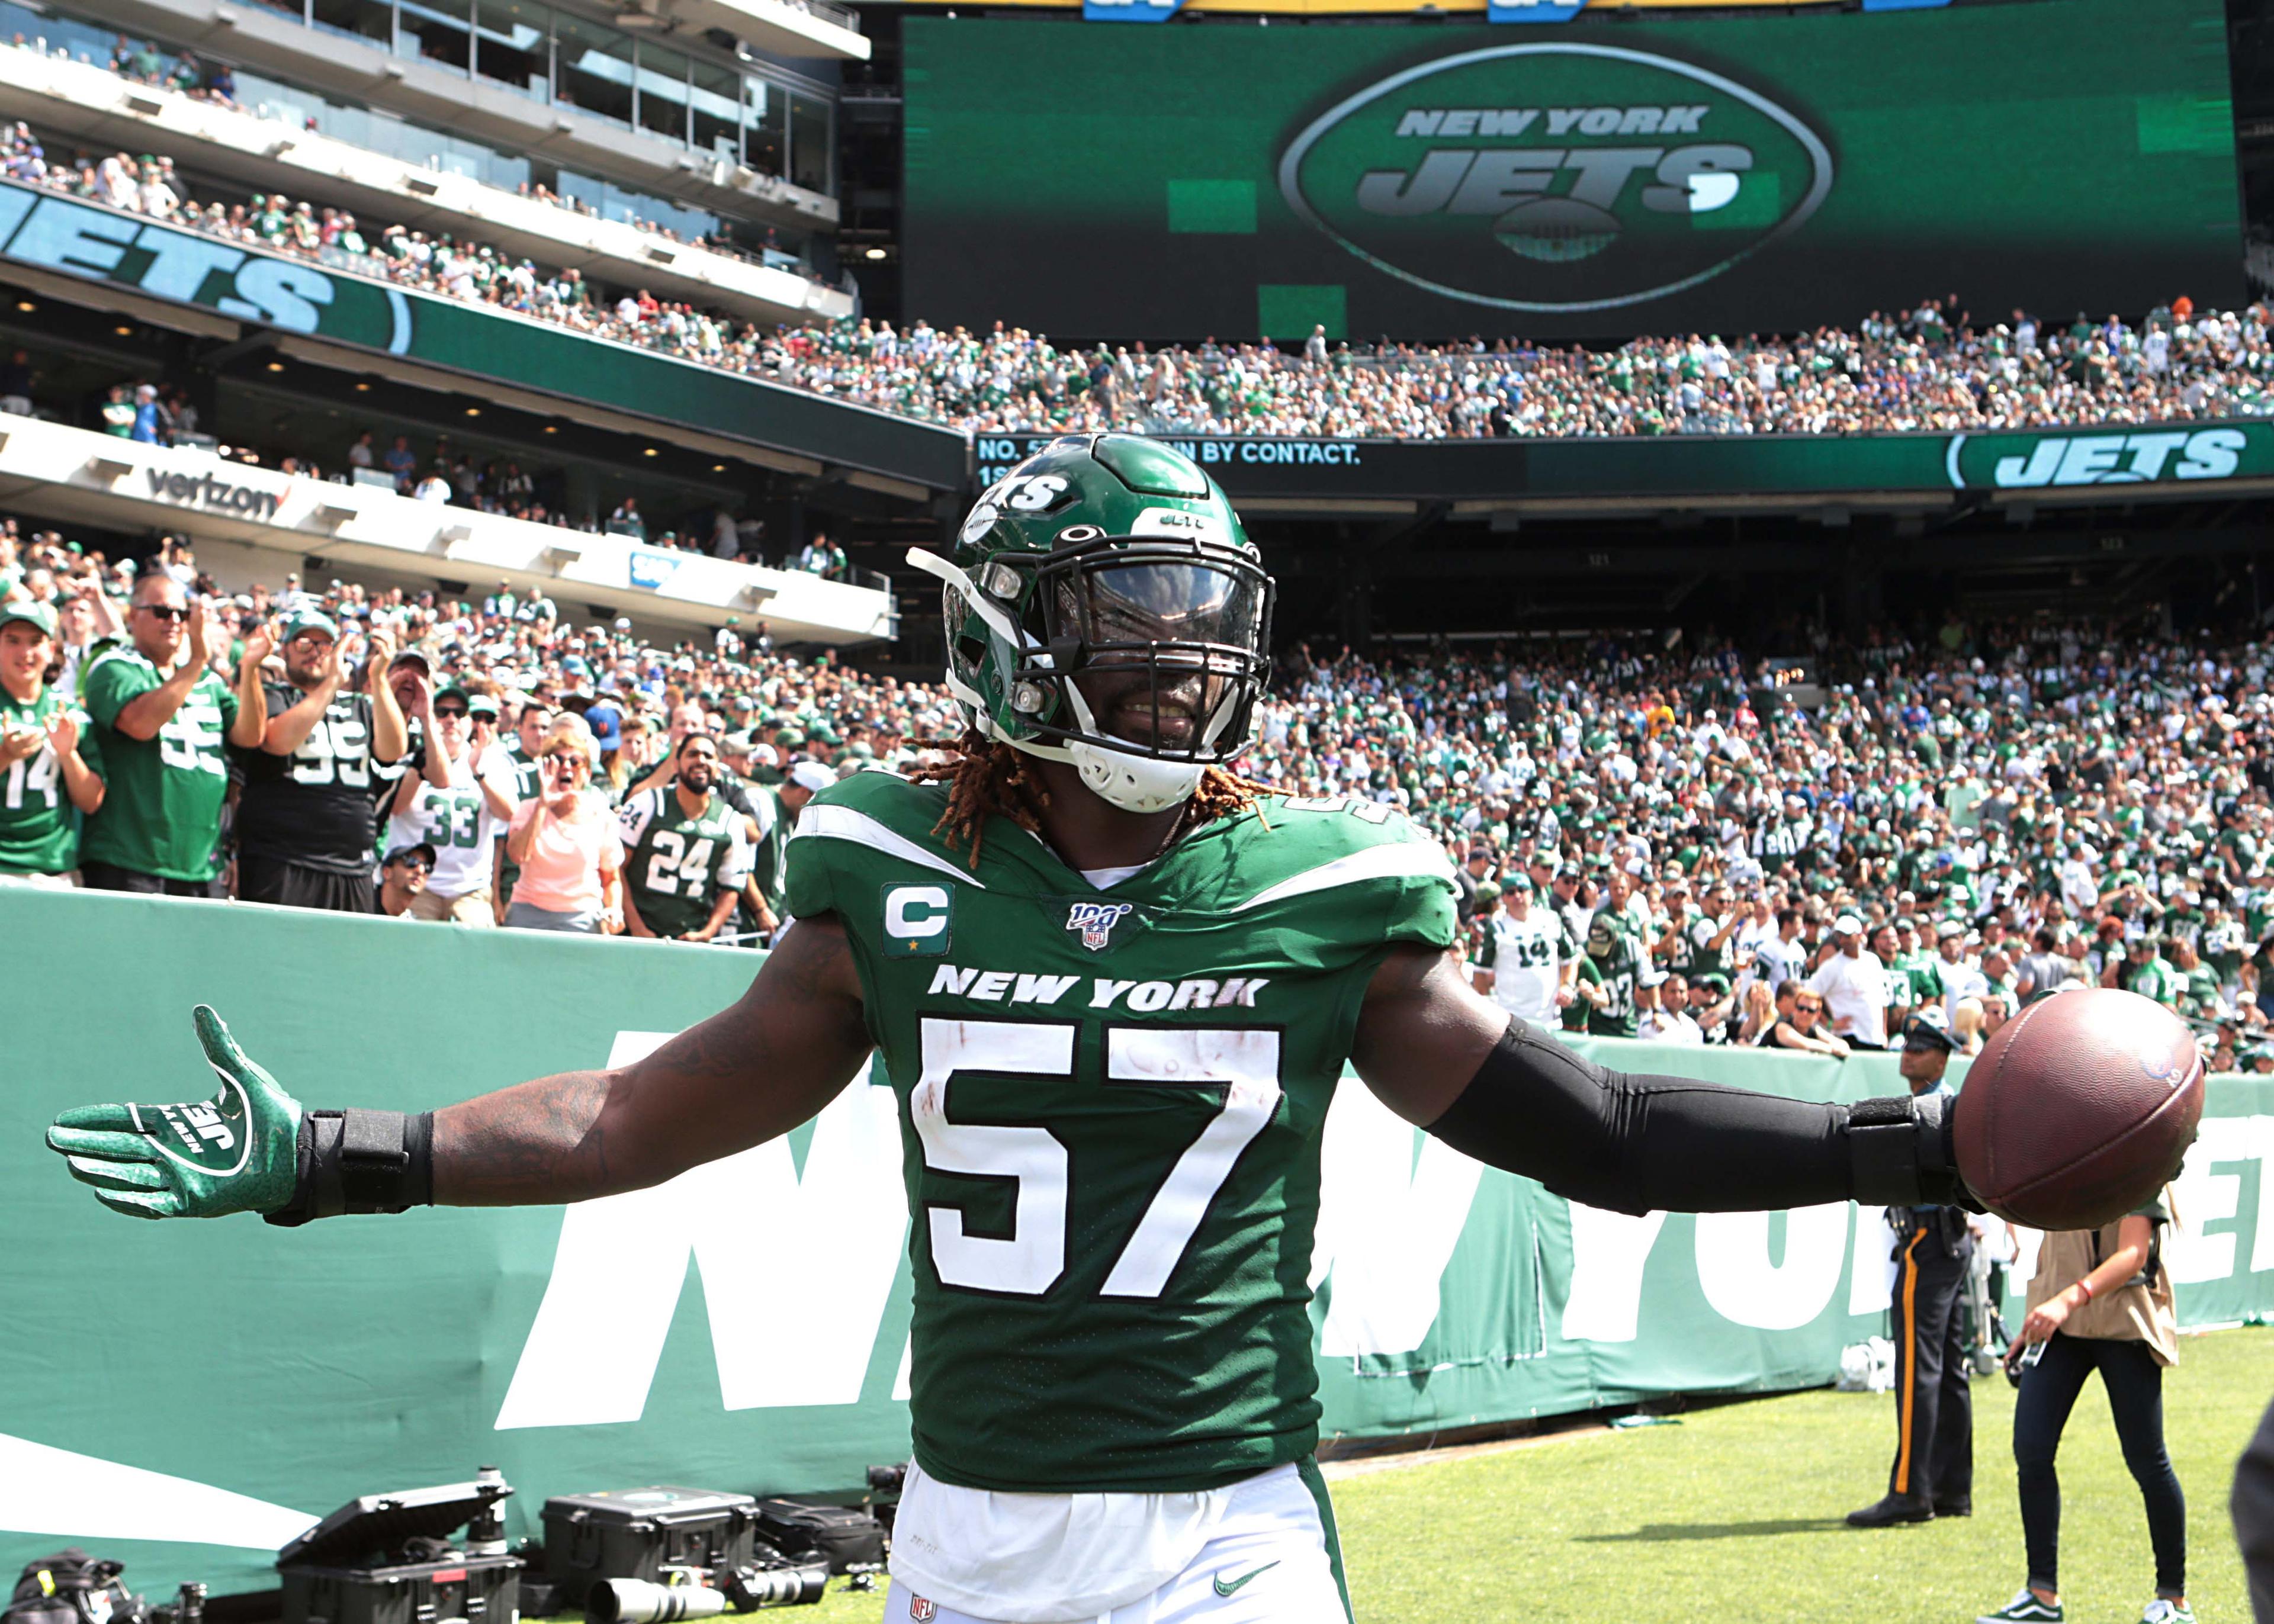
(1606, 177)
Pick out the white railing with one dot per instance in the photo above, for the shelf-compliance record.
(77, 475)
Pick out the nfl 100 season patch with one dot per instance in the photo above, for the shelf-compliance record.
(1095, 921)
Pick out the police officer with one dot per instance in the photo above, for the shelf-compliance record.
(1933, 1473)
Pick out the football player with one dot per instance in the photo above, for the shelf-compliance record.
(1113, 986)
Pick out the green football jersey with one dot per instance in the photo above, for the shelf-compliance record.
(1111, 1101)
(160, 809)
(769, 859)
(1620, 968)
(676, 865)
(1580, 1010)
(39, 826)
(1918, 976)
(2155, 979)
(527, 783)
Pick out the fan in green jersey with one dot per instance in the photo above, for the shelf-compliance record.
(162, 716)
(686, 851)
(50, 766)
(1617, 958)
(1112, 990)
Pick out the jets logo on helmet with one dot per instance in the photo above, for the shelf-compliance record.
(1105, 608)
(1095, 921)
(1020, 493)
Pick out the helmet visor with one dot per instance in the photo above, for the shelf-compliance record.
(1126, 609)
(1171, 653)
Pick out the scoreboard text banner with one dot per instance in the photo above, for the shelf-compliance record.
(2178, 455)
(221, 1385)
(1631, 173)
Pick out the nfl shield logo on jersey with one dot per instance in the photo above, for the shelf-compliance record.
(921, 1608)
(1095, 921)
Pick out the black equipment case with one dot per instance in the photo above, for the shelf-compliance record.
(850, 1539)
(384, 1560)
(636, 1533)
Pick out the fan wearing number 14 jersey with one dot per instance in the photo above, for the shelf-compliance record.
(1113, 987)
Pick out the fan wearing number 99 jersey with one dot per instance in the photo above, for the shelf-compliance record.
(304, 824)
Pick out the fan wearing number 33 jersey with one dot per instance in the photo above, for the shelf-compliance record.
(1113, 987)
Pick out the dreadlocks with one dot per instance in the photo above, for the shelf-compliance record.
(985, 776)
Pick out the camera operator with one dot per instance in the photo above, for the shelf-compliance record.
(2101, 1300)
(1933, 1473)
(303, 822)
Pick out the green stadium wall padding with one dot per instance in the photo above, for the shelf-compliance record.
(186, 1395)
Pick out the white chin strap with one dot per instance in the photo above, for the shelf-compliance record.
(1120, 778)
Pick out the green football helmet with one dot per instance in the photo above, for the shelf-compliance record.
(1105, 608)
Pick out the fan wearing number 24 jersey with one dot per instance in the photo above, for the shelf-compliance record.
(1112, 987)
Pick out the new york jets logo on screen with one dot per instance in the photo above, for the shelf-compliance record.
(918, 921)
(1555, 177)
(1095, 921)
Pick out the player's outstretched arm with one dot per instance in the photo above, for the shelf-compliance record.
(1496, 1089)
(752, 1072)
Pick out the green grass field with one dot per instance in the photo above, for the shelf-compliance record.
(1736, 1514)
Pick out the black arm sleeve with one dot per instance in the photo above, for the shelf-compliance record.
(1630, 1144)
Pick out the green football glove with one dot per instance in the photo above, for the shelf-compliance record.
(235, 1153)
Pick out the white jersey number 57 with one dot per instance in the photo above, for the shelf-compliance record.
(1244, 1063)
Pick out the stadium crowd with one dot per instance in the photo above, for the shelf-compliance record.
(144, 62)
(1645, 844)
(1933, 367)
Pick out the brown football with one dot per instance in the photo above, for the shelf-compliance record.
(2079, 1108)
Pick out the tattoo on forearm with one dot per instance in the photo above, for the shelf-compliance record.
(540, 1140)
(751, 1071)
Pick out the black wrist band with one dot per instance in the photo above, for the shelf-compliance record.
(360, 1161)
(1902, 1153)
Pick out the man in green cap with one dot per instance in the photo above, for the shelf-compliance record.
(162, 717)
(42, 766)
(304, 822)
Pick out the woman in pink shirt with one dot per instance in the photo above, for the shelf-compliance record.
(565, 840)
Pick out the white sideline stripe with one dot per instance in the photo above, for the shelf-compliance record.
(44, 1490)
(1373, 862)
(832, 822)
